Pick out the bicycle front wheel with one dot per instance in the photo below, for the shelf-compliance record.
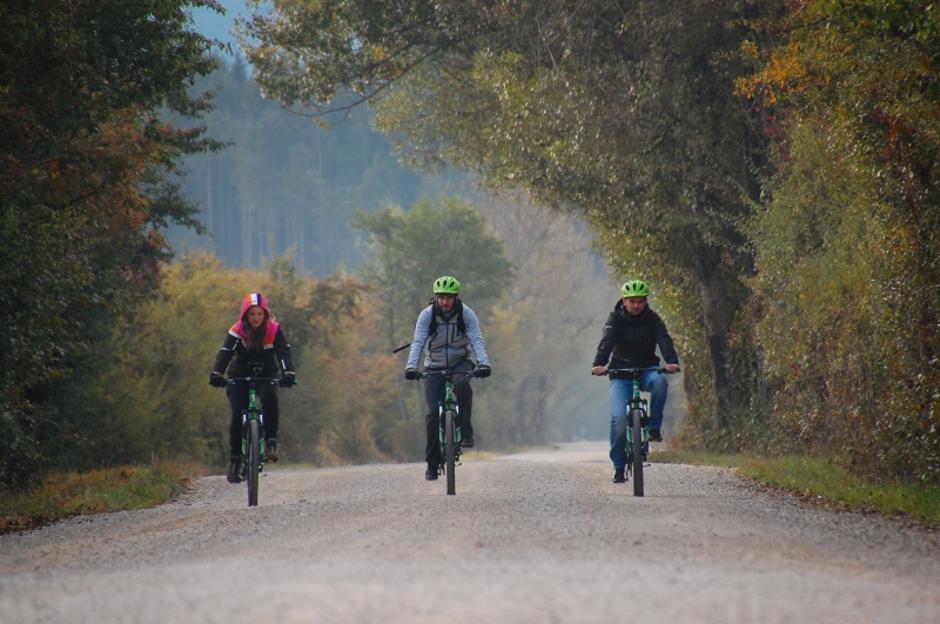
(450, 451)
(254, 461)
(636, 432)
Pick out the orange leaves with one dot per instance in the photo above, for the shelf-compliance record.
(783, 72)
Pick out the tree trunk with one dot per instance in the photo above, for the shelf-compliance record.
(720, 300)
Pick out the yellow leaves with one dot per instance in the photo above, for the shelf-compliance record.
(901, 243)
(784, 72)
(749, 48)
(334, 342)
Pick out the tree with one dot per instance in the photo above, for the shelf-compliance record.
(428, 241)
(83, 189)
(851, 95)
(594, 107)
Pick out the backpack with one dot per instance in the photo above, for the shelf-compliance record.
(432, 327)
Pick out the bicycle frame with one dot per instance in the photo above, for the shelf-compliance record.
(253, 438)
(252, 413)
(637, 402)
(637, 451)
(449, 429)
(449, 403)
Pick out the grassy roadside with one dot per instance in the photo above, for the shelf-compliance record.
(813, 478)
(66, 494)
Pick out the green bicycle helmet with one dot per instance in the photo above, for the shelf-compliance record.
(446, 285)
(635, 288)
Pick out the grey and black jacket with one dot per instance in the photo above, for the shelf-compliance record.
(631, 341)
(449, 344)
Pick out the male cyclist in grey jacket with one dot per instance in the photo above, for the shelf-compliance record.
(448, 335)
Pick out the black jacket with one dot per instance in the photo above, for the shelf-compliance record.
(630, 341)
(242, 362)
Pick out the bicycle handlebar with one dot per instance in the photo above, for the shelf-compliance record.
(448, 373)
(635, 370)
(231, 381)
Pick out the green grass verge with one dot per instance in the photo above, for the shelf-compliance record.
(62, 495)
(812, 477)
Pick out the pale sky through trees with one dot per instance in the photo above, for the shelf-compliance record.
(218, 26)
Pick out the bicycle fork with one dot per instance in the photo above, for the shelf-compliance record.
(245, 442)
(442, 434)
(641, 404)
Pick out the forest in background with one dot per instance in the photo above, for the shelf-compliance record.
(351, 403)
(770, 166)
(392, 231)
(283, 182)
(112, 339)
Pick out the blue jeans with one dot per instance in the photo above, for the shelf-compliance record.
(621, 390)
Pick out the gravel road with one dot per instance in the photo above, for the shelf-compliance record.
(542, 536)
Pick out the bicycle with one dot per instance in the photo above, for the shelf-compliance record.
(638, 438)
(449, 428)
(252, 434)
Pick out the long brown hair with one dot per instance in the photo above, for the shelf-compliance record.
(254, 338)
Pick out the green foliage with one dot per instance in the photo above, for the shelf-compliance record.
(792, 244)
(428, 241)
(83, 191)
(522, 92)
(835, 350)
(848, 282)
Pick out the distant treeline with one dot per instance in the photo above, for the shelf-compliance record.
(283, 182)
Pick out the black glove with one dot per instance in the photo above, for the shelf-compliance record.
(217, 380)
(288, 379)
(484, 371)
(412, 373)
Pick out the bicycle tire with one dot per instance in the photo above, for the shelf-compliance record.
(254, 461)
(636, 431)
(450, 451)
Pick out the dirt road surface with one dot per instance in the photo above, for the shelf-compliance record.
(542, 536)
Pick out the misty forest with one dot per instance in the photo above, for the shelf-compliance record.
(771, 169)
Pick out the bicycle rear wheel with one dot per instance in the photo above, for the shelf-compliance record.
(450, 451)
(636, 432)
(254, 461)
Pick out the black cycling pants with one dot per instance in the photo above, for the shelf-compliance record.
(238, 399)
(434, 396)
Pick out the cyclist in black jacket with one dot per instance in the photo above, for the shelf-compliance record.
(254, 347)
(631, 335)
